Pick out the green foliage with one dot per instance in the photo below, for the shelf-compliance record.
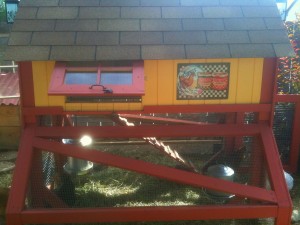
(288, 79)
(2, 11)
(2, 6)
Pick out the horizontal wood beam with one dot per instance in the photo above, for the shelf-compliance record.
(209, 108)
(150, 131)
(37, 111)
(132, 214)
(287, 98)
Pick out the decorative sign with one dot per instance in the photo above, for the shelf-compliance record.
(203, 81)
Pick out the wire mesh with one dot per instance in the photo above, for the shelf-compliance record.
(106, 186)
(282, 128)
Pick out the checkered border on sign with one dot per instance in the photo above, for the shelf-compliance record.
(216, 67)
(206, 94)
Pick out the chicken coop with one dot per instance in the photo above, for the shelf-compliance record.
(148, 112)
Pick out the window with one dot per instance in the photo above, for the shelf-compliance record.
(114, 79)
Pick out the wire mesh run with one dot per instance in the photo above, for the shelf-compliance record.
(106, 186)
(282, 128)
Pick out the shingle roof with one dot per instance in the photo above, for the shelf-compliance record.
(79, 30)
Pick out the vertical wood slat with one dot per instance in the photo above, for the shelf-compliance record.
(257, 80)
(150, 68)
(165, 82)
(245, 81)
(39, 70)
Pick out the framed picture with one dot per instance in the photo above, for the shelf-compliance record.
(202, 81)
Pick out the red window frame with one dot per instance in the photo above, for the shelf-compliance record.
(59, 87)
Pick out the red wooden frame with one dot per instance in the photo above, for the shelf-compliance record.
(58, 87)
(279, 203)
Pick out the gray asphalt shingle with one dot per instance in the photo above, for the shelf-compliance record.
(141, 38)
(97, 38)
(78, 30)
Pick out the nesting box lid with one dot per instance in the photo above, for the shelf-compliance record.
(92, 30)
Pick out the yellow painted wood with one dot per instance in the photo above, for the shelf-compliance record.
(245, 80)
(105, 107)
(73, 107)
(10, 127)
(257, 80)
(160, 85)
(9, 116)
(150, 75)
(165, 82)
(121, 106)
(89, 106)
(135, 106)
(39, 69)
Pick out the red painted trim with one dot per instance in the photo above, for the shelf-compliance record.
(287, 98)
(37, 111)
(175, 175)
(208, 108)
(268, 87)
(295, 140)
(285, 205)
(26, 84)
(21, 175)
(58, 87)
(268, 80)
(131, 214)
(159, 119)
(156, 109)
(150, 131)
(26, 90)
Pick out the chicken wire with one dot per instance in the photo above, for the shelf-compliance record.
(282, 128)
(106, 186)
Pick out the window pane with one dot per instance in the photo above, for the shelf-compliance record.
(116, 78)
(81, 78)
